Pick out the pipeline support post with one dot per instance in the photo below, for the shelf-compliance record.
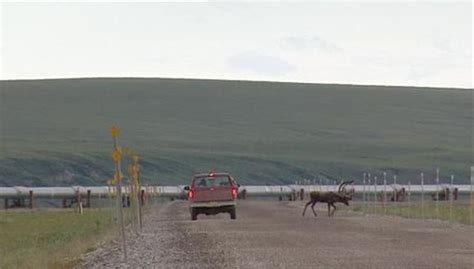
(88, 199)
(30, 196)
(142, 197)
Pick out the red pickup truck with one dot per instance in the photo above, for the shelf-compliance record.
(211, 194)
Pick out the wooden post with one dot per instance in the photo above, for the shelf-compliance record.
(79, 201)
(31, 199)
(243, 194)
(437, 193)
(363, 191)
(142, 197)
(88, 199)
(422, 196)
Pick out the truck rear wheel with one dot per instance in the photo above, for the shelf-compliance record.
(233, 214)
(194, 214)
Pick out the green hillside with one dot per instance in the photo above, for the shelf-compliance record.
(56, 132)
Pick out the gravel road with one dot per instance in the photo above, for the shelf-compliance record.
(271, 234)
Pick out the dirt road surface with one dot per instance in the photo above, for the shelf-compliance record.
(271, 234)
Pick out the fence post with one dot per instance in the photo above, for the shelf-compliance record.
(409, 197)
(363, 192)
(395, 194)
(369, 191)
(78, 201)
(353, 189)
(142, 197)
(375, 195)
(31, 199)
(451, 198)
(422, 196)
(437, 193)
(88, 199)
(384, 193)
(471, 196)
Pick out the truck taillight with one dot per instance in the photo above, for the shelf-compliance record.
(191, 195)
(234, 193)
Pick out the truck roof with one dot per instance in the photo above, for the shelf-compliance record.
(214, 174)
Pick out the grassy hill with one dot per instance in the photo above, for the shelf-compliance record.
(56, 132)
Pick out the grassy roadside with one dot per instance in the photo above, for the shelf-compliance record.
(458, 212)
(53, 238)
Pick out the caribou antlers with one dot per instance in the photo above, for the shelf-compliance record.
(341, 196)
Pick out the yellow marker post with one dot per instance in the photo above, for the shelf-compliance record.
(137, 184)
(116, 157)
(115, 130)
(134, 170)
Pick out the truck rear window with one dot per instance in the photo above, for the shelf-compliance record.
(212, 181)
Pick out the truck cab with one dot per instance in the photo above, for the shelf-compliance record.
(211, 194)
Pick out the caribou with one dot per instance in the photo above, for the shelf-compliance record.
(341, 196)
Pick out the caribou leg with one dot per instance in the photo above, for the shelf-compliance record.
(312, 208)
(333, 210)
(329, 209)
(307, 204)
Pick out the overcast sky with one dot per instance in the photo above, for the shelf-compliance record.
(422, 44)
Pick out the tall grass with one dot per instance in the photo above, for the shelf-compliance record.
(53, 238)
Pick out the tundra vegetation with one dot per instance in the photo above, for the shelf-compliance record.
(51, 238)
(56, 132)
(458, 212)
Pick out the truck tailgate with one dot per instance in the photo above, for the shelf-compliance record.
(207, 194)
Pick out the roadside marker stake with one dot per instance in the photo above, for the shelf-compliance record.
(363, 192)
(384, 193)
(117, 156)
(451, 199)
(437, 193)
(422, 196)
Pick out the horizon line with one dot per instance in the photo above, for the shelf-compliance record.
(240, 80)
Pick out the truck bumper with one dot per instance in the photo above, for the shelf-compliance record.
(212, 204)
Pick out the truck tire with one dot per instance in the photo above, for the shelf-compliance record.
(194, 214)
(233, 214)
